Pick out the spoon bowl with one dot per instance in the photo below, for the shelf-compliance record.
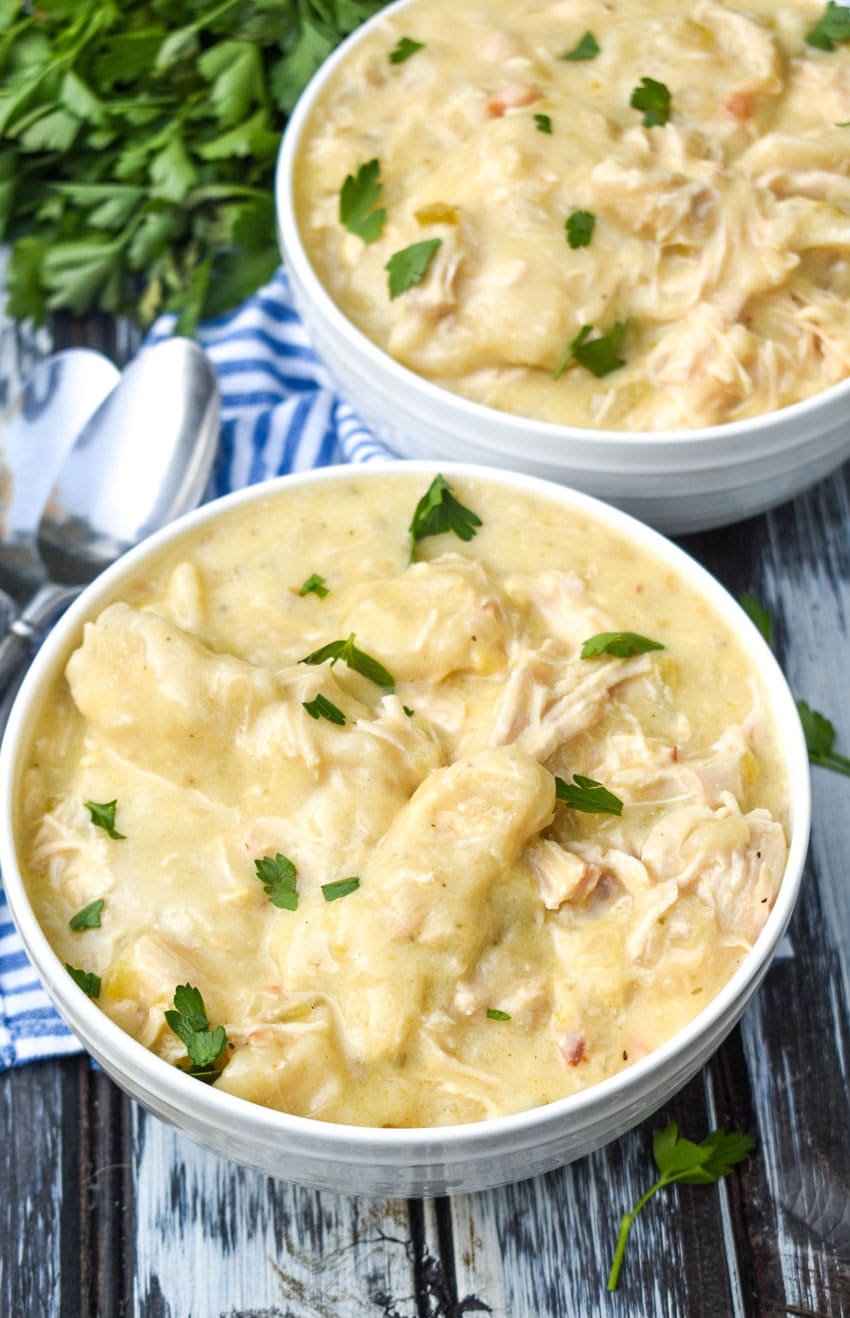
(36, 432)
(142, 459)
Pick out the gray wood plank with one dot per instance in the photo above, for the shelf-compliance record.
(217, 1241)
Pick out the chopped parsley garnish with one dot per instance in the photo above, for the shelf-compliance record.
(437, 511)
(404, 48)
(341, 888)
(493, 1014)
(587, 795)
(189, 1022)
(407, 267)
(356, 659)
(758, 614)
(88, 982)
(653, 99)
(587, 48)
(599, 355)
(579, 227)
(88, 917)
(321, 707)
(543, 123)
(833, 25)
(277, 875)
(315, 585)
(681, 1160)
(358, 202)
(820, 739)
(103, 816)
(408, 712)
(620, 644)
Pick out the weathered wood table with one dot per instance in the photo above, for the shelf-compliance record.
(104, 1211)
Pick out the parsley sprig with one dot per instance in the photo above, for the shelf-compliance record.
(408, 267)
(680, 1160)
(87, 980)
(321, 707)
(403, 49)
(820, 739)
(356, 659)
(139, 145)
(358, 202)
(189, 1022)
(654, 100)
(620, 644)
(437, 511)
(586, 48)
(579, 227)
(758, 614)
(103, 816)
(832, 26)
(587, 795)
(88, 917)
(599, 355)
(277, 875)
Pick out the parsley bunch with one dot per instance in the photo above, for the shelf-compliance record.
(137, 147)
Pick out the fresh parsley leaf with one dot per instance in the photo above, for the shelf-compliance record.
(543, 123)
(404, 48)
(579, 227)
(189, 1022)
(103, 816)
(653, 99)
(88, 917)
(340, 888)
(587, 48)
(820, 739)
(314, 585)
(437, 511)
(587, 795)
(277, 875)
(356, 659)
(620, 644)
(358, 202)
(833, 25)
(758, 614)
(681, 1160)
(599, 355)
(408, 712)
(321, 707)
(88, 982)
(493, 1014)
(407, 267)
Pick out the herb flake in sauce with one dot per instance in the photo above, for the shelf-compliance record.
(587, 795)
(832, 26)
(356, 659)
(543, 123)
(340, 888)
(321, 707)
(315, 585)
(88, 917)
(103, 816)
(599, 355)
(653, 99)
(579, 228)
(620, 644)
(408, 267)
(86, 979)
(189, 1022)
(277, 875)
(587, 48)
(437, 511)
(403, 49)
(358, 202)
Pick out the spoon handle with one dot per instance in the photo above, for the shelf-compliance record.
(19, 641)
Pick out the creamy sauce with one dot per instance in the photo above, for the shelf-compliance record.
(721, 237)
(599, 936)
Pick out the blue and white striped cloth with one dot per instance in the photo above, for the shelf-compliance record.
(279, 414)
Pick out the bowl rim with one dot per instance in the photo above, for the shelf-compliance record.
(126, 1056)
(789, 419)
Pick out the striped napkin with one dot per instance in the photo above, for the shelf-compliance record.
(279, 414)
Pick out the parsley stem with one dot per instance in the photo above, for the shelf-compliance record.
(626, 1223)
(834, 761)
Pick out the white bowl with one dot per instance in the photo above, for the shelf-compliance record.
(677, 480)
(355, 1159)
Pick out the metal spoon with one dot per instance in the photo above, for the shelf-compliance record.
(141, 460)
(35, 434)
